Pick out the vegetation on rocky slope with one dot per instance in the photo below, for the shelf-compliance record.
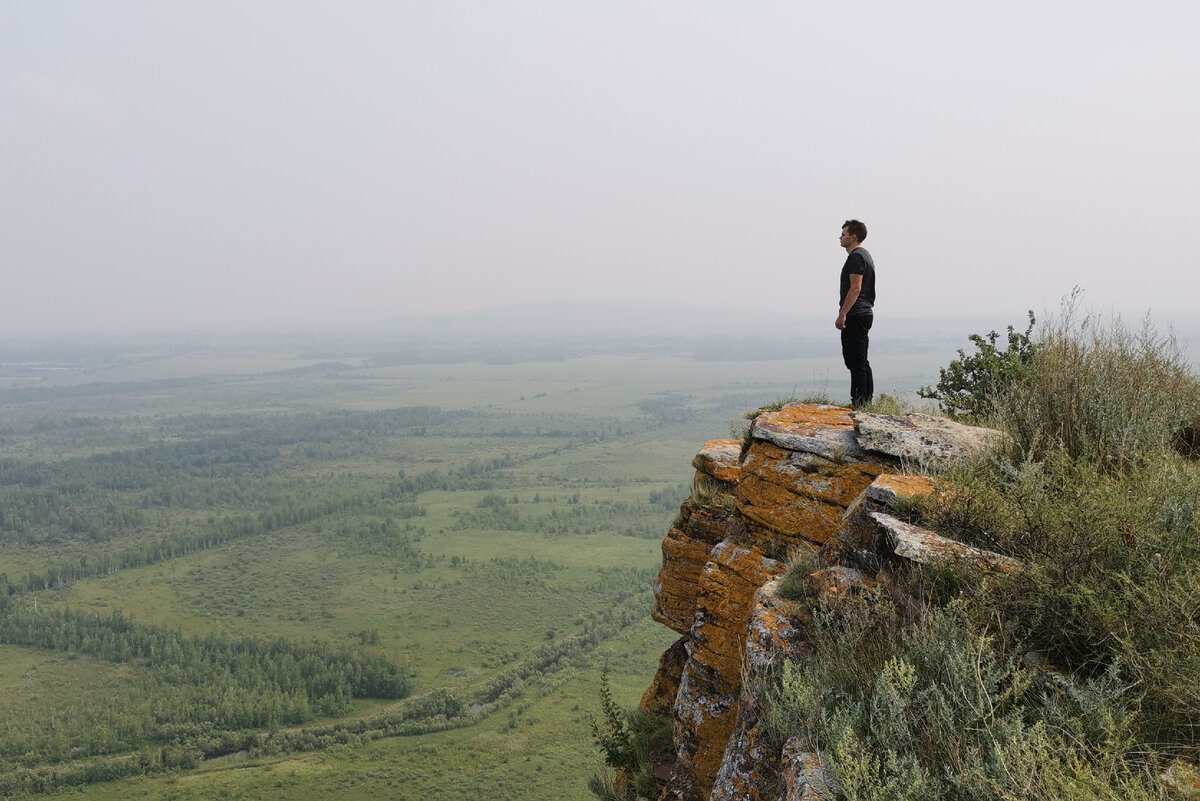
(1076, 677)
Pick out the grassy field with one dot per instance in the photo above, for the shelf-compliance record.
(492, 530)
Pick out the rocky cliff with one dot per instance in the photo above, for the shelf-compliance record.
(810, 478)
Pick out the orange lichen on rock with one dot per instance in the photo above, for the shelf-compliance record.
(776, 629)
(719, 458)
(906, 486)
(809, 475)
(889, 488)
(808, 418)
(802, 494)
(750, 763)
(704, 719)
(678, 583)
(806, 776)
(727, 589)
(786, 513)
(706, 706)
(777, 632)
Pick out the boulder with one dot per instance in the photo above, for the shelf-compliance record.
(920, 439)
(720, 458)
(807, 428)
(921, 545)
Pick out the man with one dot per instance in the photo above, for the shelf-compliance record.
(857, 311)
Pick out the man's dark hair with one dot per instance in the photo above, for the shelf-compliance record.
(855, 229)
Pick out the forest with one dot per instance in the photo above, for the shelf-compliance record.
(228, 559)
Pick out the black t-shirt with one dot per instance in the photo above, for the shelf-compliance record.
(859, 262)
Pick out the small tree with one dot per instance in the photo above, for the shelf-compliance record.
(971, 384)
(633, 741)
(611, 731)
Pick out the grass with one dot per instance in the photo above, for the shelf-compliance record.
(886, 403)
(1100, 390)
(1092, 496)
(794, 581)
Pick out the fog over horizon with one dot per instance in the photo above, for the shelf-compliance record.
(232, 166)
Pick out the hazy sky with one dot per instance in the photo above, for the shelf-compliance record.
(214, 164)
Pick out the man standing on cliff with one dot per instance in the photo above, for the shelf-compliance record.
(857, 311)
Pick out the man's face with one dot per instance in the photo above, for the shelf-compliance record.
(847, 238)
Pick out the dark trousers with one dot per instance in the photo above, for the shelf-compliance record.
(855, 340)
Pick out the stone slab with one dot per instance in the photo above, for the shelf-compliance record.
(922, 545)
(920, 438)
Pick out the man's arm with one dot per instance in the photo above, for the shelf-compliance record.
(851, 296)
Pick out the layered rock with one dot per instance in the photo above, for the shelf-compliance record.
(813, 477)
(720, 459)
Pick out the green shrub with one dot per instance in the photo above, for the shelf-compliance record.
(1100, 391)
(947, 712)
(1111, 572)
(632, 741)
(971, 385)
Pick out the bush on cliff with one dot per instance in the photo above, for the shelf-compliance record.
(944, 708)
(1111, 578)
(1088, 385)
(632, 741)
(970, 386)
(1101, 392)
(1076, 677)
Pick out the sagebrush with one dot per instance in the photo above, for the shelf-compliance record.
(1074, 677)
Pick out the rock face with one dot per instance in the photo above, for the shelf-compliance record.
(813, 478)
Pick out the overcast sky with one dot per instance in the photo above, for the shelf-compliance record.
(216, 164)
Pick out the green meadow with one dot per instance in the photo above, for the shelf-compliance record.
(261, 573)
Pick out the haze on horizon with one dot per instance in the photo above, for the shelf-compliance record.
(217, 165)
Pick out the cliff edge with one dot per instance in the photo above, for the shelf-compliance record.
(811, 478)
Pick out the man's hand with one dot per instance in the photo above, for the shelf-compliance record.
(851, 296)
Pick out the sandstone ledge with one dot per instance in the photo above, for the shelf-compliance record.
(922, 545)
(817, 477)
(720, 458)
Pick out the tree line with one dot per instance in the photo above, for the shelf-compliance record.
(170, 546)
(206, 685)
(185, 745)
